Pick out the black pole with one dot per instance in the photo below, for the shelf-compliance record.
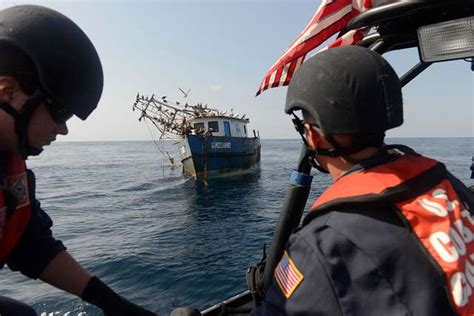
(290, 215)
(472, 168)
(413, 72)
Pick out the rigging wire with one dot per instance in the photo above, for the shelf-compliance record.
(162, 151)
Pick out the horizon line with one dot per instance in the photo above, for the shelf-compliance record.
(297, 138)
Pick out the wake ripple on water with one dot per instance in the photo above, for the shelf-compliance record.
(136, 188)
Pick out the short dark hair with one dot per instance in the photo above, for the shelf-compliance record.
(358, 140)
(16, 64)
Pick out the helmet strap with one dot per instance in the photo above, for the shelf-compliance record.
(22, 120)
(338, 151)
(299, 126)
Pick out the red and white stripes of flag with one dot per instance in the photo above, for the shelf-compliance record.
(331, 17)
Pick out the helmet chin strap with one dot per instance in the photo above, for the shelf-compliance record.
(317, 166)
(22, 120)
(336, 151)
(299, 126)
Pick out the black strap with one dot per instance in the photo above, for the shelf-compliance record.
(9, 109)
(339, 151)
(254, 278)
(22, 120)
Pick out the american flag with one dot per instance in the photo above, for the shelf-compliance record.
(287, 275)
(331, 17)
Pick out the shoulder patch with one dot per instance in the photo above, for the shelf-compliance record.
(287, 275)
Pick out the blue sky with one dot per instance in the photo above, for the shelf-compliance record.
(221, 50)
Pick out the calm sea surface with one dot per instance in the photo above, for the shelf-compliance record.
(163, 240)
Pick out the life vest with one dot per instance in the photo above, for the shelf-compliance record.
(15, 210)
(419, 187)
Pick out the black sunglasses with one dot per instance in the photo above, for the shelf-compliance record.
(58, 113)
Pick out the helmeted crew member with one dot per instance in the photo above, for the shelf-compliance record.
(49, 71)
(393, 235)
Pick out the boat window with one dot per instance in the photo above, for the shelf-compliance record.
(245, 130)
(227, 129)
(213, 126)
(199, 127)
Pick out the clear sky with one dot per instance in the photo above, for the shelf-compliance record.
(220, 50)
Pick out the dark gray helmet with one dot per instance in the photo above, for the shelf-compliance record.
(67, 64)
(347, 90)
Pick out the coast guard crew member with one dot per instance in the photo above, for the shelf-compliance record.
(394, 234)
(49, 71)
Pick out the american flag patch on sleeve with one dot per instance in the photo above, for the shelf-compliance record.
(287, 275)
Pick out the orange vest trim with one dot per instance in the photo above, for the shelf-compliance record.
(443, 225)
(15, 225)
(377, 179)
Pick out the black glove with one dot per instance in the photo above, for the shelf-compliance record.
(102, 296)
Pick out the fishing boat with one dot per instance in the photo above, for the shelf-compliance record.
(442, 31)
(212, 142)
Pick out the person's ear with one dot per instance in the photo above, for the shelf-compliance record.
(8, 85)
(312, 136)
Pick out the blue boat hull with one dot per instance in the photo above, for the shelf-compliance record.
(204, 156)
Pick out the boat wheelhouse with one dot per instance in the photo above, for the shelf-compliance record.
(219, 144)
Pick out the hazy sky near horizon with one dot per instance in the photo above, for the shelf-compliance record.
(221, 50)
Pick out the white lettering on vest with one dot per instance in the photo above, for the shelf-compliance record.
(434, 207)
(458, 282)
(457, 241)
(462, 283)
(466, 214)
(464, 231)
(439, 241)
(470, 271)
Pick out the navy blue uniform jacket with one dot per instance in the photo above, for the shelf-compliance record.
(359, 263)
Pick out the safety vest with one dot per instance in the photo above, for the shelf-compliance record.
(419, 188)
(15, 208)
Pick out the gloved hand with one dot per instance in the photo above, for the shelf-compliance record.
(102, 296)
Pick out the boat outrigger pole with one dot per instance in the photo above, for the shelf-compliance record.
(291, 213)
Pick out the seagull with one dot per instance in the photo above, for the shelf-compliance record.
(185, 93)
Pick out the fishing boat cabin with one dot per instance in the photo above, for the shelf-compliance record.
(224, 126)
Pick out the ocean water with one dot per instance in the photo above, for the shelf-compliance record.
(163, 240)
